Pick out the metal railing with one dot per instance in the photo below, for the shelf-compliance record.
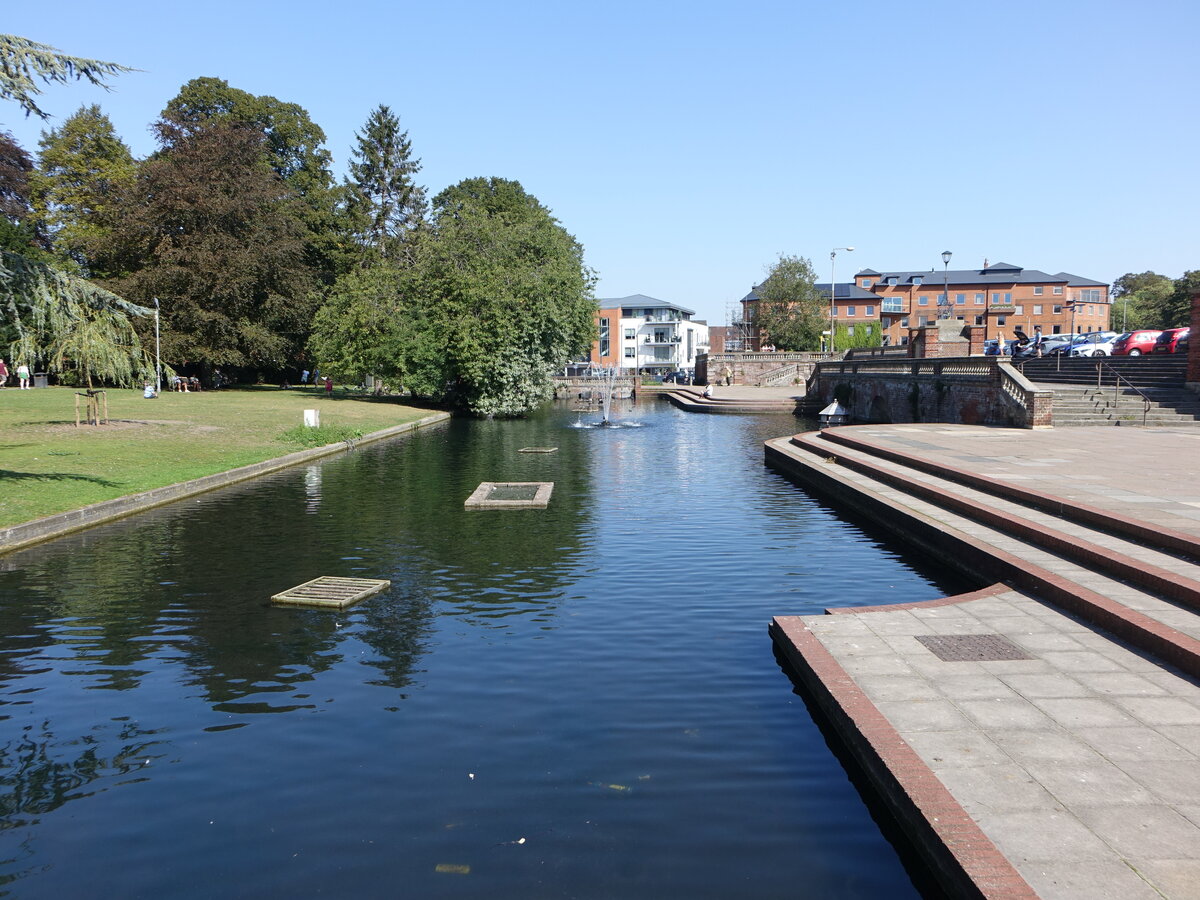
(1118, 380)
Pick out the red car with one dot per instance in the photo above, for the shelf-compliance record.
(1168, 341)
(1135, 343)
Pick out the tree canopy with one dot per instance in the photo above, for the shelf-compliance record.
(1151, 300)
(497, 300)
(791, 313)
(25, 63)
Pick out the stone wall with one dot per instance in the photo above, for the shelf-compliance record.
(1193, 368)
(752, 368)
(965, 391)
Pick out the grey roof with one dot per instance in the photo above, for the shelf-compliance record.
(641, 300)
(845, 291)
(865, 272)
(998, 274)
(1080, 281)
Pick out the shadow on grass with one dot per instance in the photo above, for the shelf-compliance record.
(10, 475)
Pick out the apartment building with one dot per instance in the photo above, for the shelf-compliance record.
(1000, 296)
(644, 334)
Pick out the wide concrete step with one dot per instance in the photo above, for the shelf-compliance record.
(1120, 586)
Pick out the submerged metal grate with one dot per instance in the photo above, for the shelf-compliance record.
(511, 495)
(972, 647)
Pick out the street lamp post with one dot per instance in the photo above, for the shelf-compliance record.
(833, 292)
(157, 356)
(945, 310)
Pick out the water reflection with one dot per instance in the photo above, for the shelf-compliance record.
(616, 637)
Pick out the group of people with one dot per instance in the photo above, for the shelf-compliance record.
(22, 375)
(316, 380)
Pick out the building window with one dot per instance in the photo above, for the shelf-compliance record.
(1091, 295)
(922, 321)
(979, 299)
(1019, 309)
(866, 282)
(870, 313)
(1057, 308)
(960, 299)
(1037, 309)
(979, 320)
(604, 344)
(630, 334)
(904, 340)
(1000, 320)
(849, 311)
(1057, 329)
(904, 322)
(892, 280)
(922, 301)
(918, 279)
(1058, 290)
(630, 352)
(1037, 290)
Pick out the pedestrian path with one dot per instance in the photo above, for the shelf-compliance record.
(1077, 763)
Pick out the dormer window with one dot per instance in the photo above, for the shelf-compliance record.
(866, 282)
(918, 279)
(891, 279)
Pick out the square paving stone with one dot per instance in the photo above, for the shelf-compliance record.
(1136, 743)
(1174, 780)
(1175, 878)
(922, 715)
(1143, 832)
(1120, 683)
(1042, 835)
(956, 749)
(1093, 879)
(1088, 783)
(1083, 712)
(897, 687)
(1000, 787)
(1161, 710)
(1003, 715)
(1045, 684)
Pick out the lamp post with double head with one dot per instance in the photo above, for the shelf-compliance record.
(833, 292)
(944, 311)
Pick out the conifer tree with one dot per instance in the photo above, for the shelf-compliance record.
(385, 205)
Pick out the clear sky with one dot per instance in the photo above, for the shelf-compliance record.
(688, 144)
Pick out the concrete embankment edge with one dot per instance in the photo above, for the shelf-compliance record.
(961, 857)
(27, 533)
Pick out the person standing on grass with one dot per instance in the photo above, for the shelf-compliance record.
(328, 386)
(3, 374)
(23, 376)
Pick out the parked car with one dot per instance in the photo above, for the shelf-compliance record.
(1094, 343)
(1135, 343)
(1055, 344)
(682, 376)
(1168, 341)
(992, 348)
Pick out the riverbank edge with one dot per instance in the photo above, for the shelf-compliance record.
(25, 534)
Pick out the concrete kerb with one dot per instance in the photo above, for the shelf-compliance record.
(27, 533)
(963, 859)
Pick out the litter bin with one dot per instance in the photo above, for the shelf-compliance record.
(41, 379)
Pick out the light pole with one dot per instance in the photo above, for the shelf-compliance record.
(833, 292)
(944, 313)
(157, 357)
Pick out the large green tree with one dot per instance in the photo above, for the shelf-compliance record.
(384, 205)
(18, 233)
(215, 233)
(1147, 300)
(83, 167)
(791, 312)
(498, 298)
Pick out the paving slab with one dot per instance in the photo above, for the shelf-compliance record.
(1080, 765)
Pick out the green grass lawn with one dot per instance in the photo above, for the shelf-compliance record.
(47, 465)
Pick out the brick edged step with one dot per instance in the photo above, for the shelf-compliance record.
(1132, 613)
(1165, 539)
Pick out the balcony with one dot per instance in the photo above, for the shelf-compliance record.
(658, 339)
(892, 305)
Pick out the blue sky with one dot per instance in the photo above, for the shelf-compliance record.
(687, 145)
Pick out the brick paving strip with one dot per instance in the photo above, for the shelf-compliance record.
(1077, 766)
(1072, 774)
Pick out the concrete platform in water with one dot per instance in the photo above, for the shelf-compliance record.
(1074, 773)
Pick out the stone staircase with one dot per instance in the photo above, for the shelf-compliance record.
(1151, 390)
(1138, 582)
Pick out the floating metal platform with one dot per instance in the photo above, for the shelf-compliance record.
(331, 591)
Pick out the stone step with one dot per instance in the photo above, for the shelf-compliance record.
(993, 539)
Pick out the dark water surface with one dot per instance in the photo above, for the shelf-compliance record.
(594, 678)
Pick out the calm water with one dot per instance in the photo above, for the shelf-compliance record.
(580, 701)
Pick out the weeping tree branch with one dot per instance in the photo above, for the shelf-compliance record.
(24, 63)
(70, 322)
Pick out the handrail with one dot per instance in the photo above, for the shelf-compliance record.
(1101, 365)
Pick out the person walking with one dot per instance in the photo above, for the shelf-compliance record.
(3, 374)
(328, 386)
(23, 376)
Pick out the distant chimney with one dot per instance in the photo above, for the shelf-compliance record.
(985, 264)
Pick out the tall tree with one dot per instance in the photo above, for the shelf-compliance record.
(82, 167)
(17, 231)
(791, 312)
(24, 63)
(498, 299)
(211, 229)
(385, 205)
(1142, 300)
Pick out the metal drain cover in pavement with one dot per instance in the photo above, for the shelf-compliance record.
(972, 647)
